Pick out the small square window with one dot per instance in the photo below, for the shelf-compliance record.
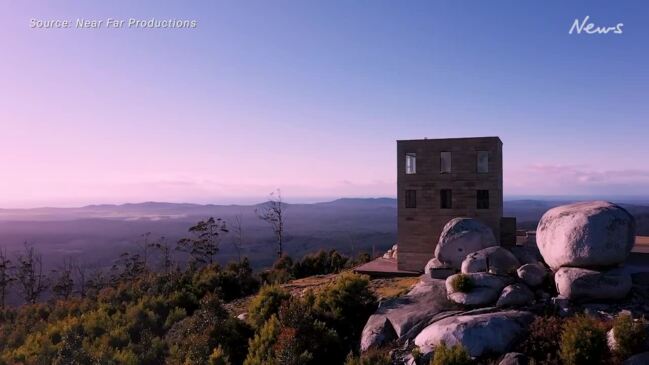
(483, 199)
(445, 162)
(411, 163)
(446, 199)
(483, 162)
(411, 198)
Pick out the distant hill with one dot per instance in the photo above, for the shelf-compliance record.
(98, 233)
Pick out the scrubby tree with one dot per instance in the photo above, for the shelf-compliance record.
(29, 274)
(63, 285)
(204, 244)
(166, 253)
(237, 242)
(273, 214)
(6, 277)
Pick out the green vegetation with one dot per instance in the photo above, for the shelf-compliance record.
(454, 355)
(630, 336)
(583, 341)
(176, 315)
(462, 283)
(371, 357)
(319, 263)
(542, 342)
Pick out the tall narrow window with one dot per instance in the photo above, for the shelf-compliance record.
(483, 162)
(483, 199)
(411, 198)
(445, 163)
(411, 163)
(446, 199)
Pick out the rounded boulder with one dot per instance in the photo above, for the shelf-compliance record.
(587, 234)
(460, 237)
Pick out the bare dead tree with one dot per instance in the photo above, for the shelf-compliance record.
(6, 277)
(82, 278)
(273, 214)
(29, 274)
(144, 245)
(166, 253)
(63, 285)
(237, 229)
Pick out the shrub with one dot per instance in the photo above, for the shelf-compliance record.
(630, 336)
(454, 355)
(462, 283)
(542, 341)
(371, 357)
(265, 304)
(583, 341)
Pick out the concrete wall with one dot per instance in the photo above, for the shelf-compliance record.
(419, 228)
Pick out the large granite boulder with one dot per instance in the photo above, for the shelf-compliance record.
(483, 290)
(460, 237)
(515, 295)
(494, 260)
(399, 317)
(480, 334)
(577, 284)
(532, 274)
(588, 234)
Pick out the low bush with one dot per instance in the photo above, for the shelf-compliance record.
(265, 304)
(462, 283)
(583, 341)
(454, 355)
(630, 336)
(371, 357)
(542, 341)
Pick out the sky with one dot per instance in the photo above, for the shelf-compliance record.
(310, 97)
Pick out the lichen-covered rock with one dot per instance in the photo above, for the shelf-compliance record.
(532, 274)
(494, 260)
(492, 333)
(515, 295)
(485, 289)
(460, 237)
(588, 234)
(577, 284)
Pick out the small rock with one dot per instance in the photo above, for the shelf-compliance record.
(485, 289)
(437, 270)
(532, 274)
(460, 237)
(526, 254)
(563, 306)
(582, 284)
(242, 317)
(514, 358)
(515, 295)
(610, 340)
(494, 260)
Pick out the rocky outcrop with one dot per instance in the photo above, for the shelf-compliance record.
(479, 333)
(484, 289)
(577, 284)
(398, 317)
(588, 234)
(494, 260)
(515, 295)
(460, 237)
(532, 274)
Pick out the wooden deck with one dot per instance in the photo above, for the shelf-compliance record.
(382, 267)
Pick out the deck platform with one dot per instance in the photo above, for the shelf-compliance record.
(382, 267)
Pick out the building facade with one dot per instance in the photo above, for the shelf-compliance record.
(440, 179)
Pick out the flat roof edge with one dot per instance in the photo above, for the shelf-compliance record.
(449, 139)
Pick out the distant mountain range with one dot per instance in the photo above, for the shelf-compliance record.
(98, 233)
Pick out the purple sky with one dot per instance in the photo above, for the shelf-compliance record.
(310, 96)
